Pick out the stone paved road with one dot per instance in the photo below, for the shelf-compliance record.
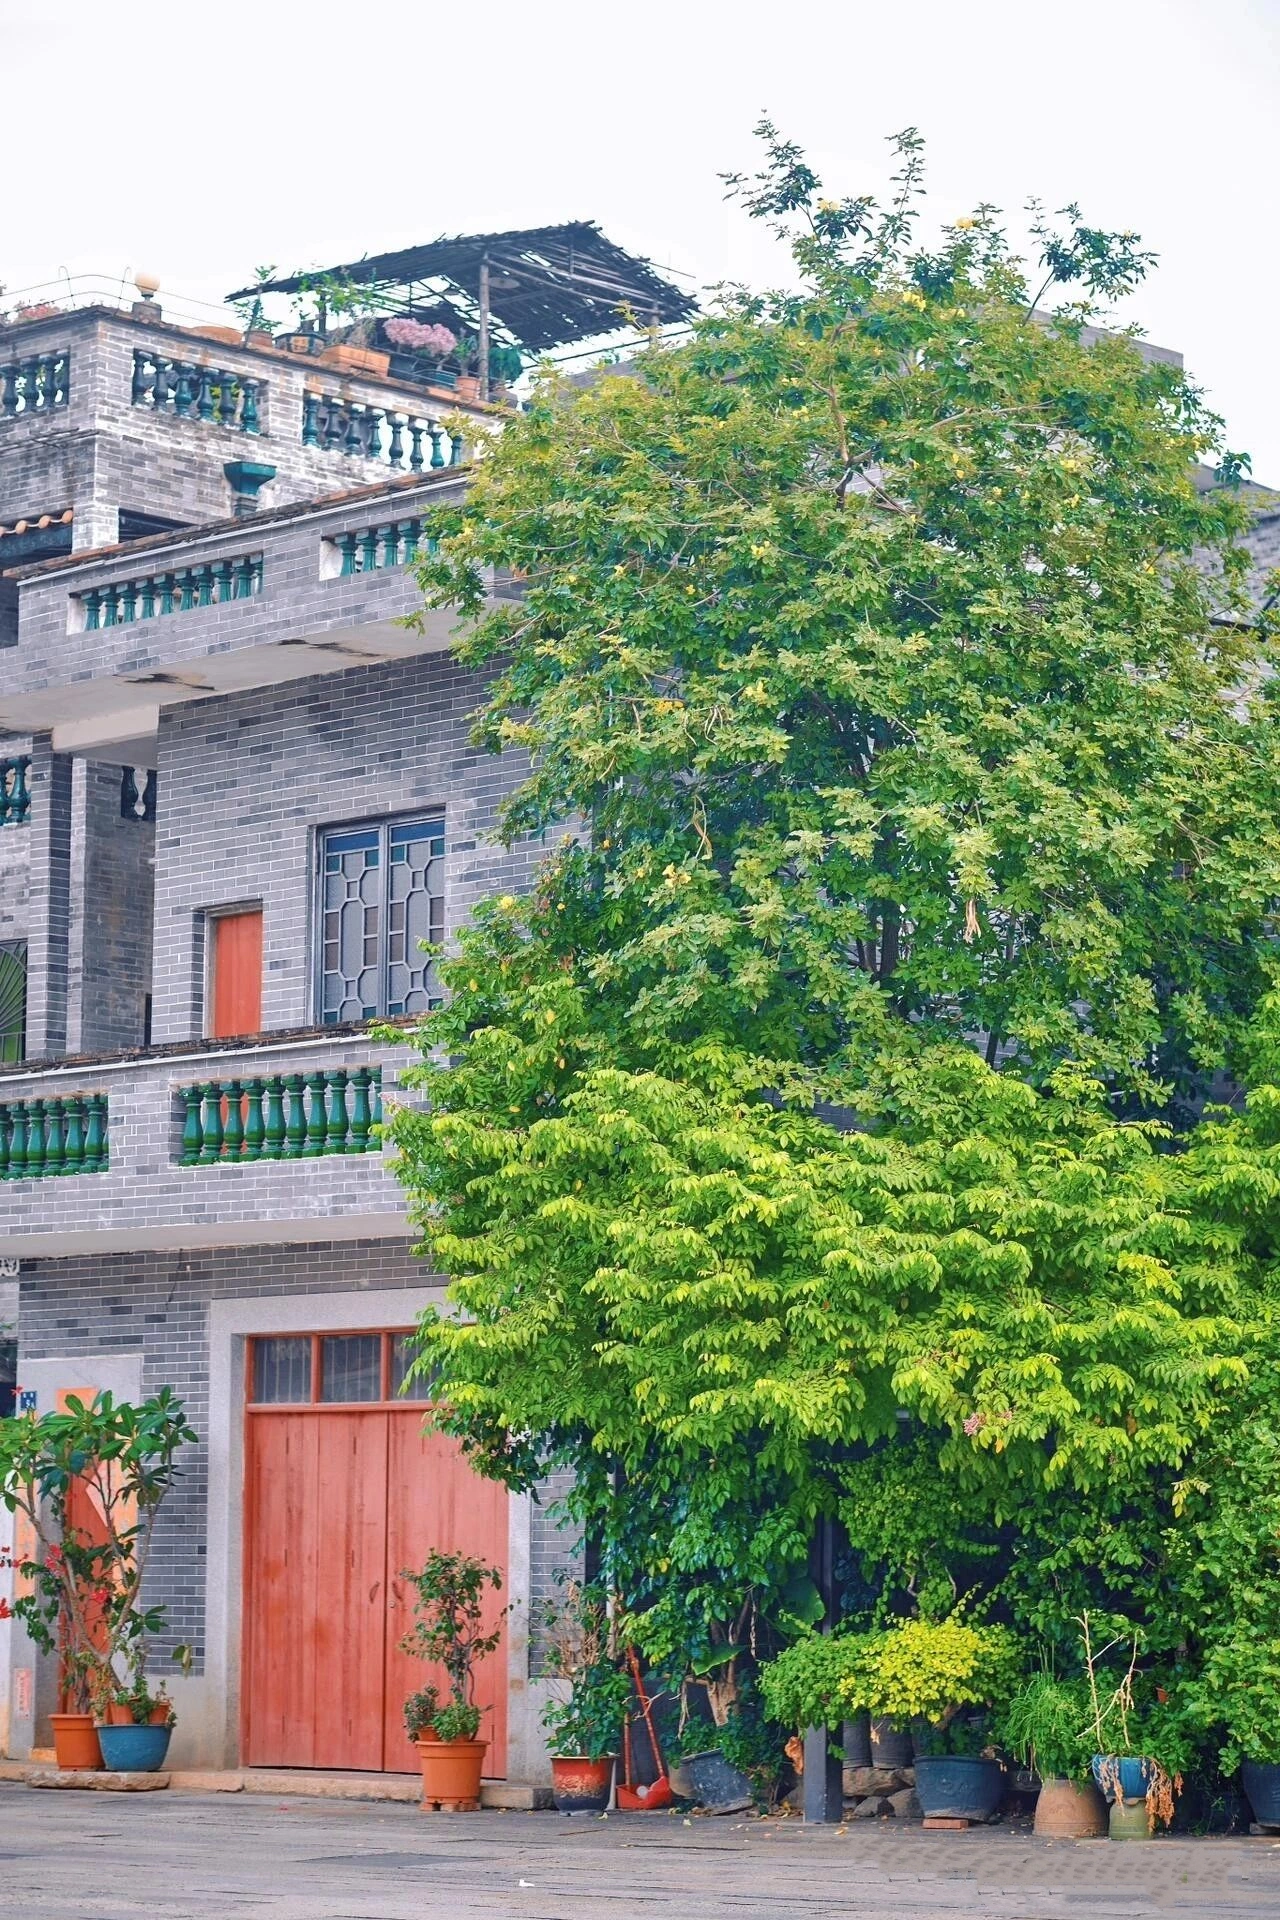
(98, 1856)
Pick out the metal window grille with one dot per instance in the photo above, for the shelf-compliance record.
(381, 897)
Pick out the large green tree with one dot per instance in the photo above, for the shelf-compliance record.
(888, 665)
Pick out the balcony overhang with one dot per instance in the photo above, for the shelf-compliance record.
(176, 1236)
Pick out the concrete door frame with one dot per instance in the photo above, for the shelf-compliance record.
(209, 1715)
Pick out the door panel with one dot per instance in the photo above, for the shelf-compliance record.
(436, 1500)
(315, 1601)
(236, 998)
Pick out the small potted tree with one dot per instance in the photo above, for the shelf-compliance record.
(1045, 1726)
(90, 1480)
(451, 1632)
(1137, 1784)
(419, 349)
(589, 1695)
(927, 1673)
(1239, 1690)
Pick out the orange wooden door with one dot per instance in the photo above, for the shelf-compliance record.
(235, 1005)
(436, 1500)
(315, 1592)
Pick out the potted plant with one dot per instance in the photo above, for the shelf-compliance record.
(926, 1673)
(419, 349)
(135, 1728)
(451, 1607)
(1238, 1689)
(1045, 1726)
(1134, 1780)
(89, 1480)
(589, 1694)
(420, 1711)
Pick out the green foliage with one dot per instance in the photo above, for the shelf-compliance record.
(887, 653)
(925, 1670)
(1045, 1725)
(820, 1679)
(749, 1738)
(84, 1595)
(450, 1608)
(588, 1722)
(420, 1711)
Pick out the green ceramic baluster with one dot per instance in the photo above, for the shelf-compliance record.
(310, 411)
(332, 423)
(352, 443)
(346, 545)
(316, 1125)
(192, 1130)
(254, 1129)
(412, 534)
(92, 603)
(147, 607)
(35, 1138)
(458, 445)
(361, 1113)
(211, 1146)
(233, 1126)
(415, 446)
(222, 581)
(373, 433)
(141, 379)
(249, 419)
(73, 1150)
(369, 550)
(395, 452)
(338, 1122)
(437, 444)
(128, 603)
(296, 1129)
(55, 1160)
(204, 399)
(183, 396)
(6, 1130)
(167, 584)
(391, 546)
(273, 1129)
(97, 1145)
(204, 586)
(18, 1141)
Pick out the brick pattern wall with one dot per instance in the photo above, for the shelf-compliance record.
(158, 1305)
(111, 914)
(246, 781)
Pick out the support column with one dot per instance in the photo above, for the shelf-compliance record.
(49, 923)
(823, 1770)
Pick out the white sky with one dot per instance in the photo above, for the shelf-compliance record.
(197, 142)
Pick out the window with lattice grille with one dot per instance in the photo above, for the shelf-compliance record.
(381, 897)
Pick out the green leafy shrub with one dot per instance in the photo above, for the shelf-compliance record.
(1045, 1725)
(926, 1670)
(821, 1679)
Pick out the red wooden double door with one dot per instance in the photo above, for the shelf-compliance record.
(340, 1495)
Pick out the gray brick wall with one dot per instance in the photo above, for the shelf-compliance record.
(158, 1305)
(111, 916)
(246, 781)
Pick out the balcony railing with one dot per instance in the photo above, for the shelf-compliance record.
(15, 793)
(191, 392)
(124, 602)
(41, 384)
(336, 425)
(393, 543)
(39, 1138)
(281, 1116)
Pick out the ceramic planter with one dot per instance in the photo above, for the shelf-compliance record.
(451, 1773)
(889, 1746)
(716, 1785)
(955, 1786)
(1262, 1784)
(1122, 1776)
(134, 1749)
(1070, 1810)
(356, 359)
(581, 1785)
(1129, 1820)
(75, 1742)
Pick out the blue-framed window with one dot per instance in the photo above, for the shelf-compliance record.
(381, 896)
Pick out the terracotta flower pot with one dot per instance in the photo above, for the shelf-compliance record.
(1070, 1810)
(118, 1715)
(468, 386)
(451, 1773)
(581, 1785)
(75, 1743)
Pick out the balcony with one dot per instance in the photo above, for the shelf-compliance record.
(224, 1143)
(100, 643)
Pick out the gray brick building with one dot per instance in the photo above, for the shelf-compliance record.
(237, 790)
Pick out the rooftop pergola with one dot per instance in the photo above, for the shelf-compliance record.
(538, 288)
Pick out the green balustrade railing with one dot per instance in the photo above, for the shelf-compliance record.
(40, 1138)
(336, 425)
(15, 791)
(281, 1116)
(124, 602)
(40, 384)
(393, 543)
(189, 391)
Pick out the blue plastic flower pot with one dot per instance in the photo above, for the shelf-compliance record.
(134, 1749)
(956, 1786)
(1123, 1775)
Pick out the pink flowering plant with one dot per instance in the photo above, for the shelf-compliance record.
(421, 336)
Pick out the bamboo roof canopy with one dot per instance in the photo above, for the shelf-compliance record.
(547, 286)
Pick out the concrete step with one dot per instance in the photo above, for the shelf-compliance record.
(298, 1782)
